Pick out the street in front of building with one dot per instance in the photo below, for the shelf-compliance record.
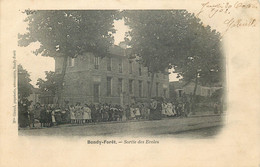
(165, 127)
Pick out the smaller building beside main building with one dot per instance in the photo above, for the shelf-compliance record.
(114, 79)
(180, 88)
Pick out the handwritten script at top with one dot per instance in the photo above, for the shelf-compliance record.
(225, 9)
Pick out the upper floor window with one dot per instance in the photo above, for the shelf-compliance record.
(164, 93)
(140, 69)
(109, 86)
(131, 89)
(157, 89)
(96, 62)
(148, 86)
(109, 64)
(120, 65)
(140, 88)
(130, 67)
(71, 62)
(120, 85)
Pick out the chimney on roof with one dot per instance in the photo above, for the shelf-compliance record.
(122, 45)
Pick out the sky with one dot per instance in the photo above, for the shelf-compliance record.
(37, 65)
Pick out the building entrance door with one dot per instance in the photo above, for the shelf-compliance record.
(96, 93)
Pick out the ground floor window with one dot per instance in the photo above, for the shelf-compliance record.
(164, 93)
(140, 88)
(96, 92)
(180, 93)
(120, 85)
(109, 86)
(148, 87)
(157, 89)
(131, 86)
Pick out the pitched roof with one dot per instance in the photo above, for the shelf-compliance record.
(177, 84)
(116, 50)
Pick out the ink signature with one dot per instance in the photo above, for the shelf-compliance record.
(225, 9)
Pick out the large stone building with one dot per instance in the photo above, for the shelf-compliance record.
(114, 79)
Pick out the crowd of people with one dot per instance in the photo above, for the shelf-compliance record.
(51, 114)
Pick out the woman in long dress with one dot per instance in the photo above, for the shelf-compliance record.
(48, 116)
(132, 112)
(137, 112)
(147, 110)
(153, 107)
(43, 116)
(123, 114)
(164, 109)
(77, 114)
(53, 121)
(72, 114)
(159, 110)
(81, 115)
(88, 112)
(85, 114)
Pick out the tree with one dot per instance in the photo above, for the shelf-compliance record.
(69, 34)
(50, 84)
(176, 39)
(158, 37)
(204, 62)
(24, 90)
(24, 86)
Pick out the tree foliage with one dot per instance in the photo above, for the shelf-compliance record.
(155, 36)
(24, 86)
(64, 33)
(203, 61)
(175, 39)
(69, 33)
(50, 83)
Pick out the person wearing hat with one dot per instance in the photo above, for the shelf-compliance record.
(153, 106)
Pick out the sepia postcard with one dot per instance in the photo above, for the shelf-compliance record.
(130, 83)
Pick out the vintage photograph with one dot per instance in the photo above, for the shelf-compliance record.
(120, 73)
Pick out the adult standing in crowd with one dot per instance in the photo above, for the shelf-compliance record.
(86, 114)
(43, 116)
(153, 107)
(53, 121)
(132, 112)
(164, 106)
(159, 110)
(48, 116)
(78, 113)
(37, 111)
(105, 113)
(23, 115)
(31, 116)
(127, 112)
(72, 114)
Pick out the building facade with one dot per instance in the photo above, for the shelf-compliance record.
(114, 79)
(178, 88)
(34, 96)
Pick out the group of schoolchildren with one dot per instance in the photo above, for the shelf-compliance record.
(95, 113)
(49, 115)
